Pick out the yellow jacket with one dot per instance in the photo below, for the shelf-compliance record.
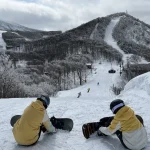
(26, 129)
(133, 133)
(127, 120)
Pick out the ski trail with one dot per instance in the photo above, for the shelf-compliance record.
(2, 42)
(111, 41)
(94, 33)
(108, 35)
(102, 76)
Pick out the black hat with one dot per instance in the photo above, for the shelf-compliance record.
(116, 105)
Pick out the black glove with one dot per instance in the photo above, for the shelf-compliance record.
(43, 129)
(53, 121)
(105, 122)
(57, 124)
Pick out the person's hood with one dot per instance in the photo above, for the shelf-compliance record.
(38, 105)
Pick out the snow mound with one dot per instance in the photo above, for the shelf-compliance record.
(141, 82)
(136, 95)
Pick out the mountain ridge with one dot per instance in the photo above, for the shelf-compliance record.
(86, 34)
(7, 26)
(88, 38)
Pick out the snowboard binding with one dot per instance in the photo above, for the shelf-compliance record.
(57, 123)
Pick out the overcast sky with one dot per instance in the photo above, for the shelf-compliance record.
(67, 14)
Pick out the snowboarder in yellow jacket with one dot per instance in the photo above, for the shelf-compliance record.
(34, 119)
(88, 90)
(128, 127)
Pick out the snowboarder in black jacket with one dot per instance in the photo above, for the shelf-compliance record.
(79, 94)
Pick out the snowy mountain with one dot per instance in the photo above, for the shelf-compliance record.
(6, 26)
(132, 37)
(89, 107)
(16, 35)
(131, 34)
(132, 29)
(17, 38)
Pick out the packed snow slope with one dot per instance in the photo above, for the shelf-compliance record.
(2, 43)
(89, 107)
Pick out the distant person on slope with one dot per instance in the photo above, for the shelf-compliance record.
(27, 129)
(88, 90)
(128, 127)
(79, 94)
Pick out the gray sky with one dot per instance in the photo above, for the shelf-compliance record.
(67, 14)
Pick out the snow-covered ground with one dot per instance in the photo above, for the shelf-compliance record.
(89, 107)
(2, 43)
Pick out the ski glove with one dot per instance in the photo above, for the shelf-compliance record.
(105, 122)
(43, 129)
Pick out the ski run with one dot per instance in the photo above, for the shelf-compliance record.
(2, 43)
(89, 107)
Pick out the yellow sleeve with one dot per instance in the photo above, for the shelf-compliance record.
(112, 128)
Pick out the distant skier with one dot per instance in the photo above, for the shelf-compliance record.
(120, 73)
(27, 129)
(88, 90)
(97, 83)
(126, 125)
(79, 94)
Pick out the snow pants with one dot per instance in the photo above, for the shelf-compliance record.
(105, 122)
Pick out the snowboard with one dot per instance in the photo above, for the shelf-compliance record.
(62, 123)
(14, 119)
(90, 128)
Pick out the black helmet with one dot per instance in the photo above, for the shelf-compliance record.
(116, 105)
(45, 100)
